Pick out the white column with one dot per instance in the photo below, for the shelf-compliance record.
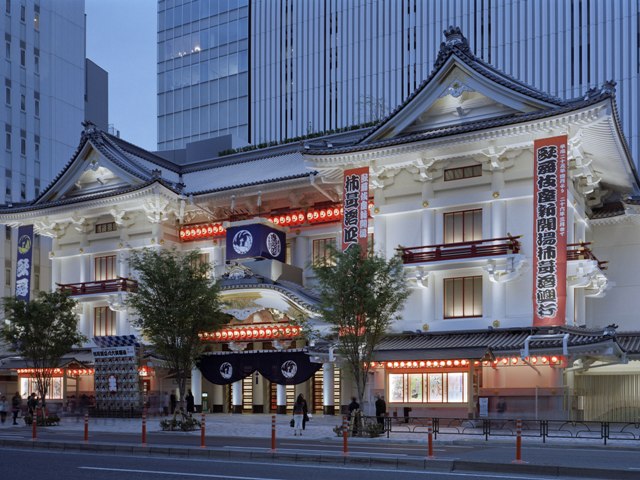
(217, 399)
(328, 387)
(498, 219)
(55, 273)
(281, 398)
(301, 252)
(258, 392)
(429, 227)
(497, 180)
(236, 396)
(123, 327)
(218, 261)
(196, 388)
(380, 234)
(498, 294)
(85, 268)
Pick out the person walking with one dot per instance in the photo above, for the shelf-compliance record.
(16, 404)
(190, 402)
(381, 409)
(298, 414)
(4, 408)
(305, 410)
(32, 404)
(172, 403)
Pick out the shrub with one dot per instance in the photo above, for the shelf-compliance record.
(185, 424)
(374, 429)
(51, 420)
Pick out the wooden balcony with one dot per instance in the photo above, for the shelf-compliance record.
(491, 247)
(113, 285)
(581, 251)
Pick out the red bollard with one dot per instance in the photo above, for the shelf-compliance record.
(202, 431)
(345, 434)
(86, 427)
(430, 437)
(518, 442)
(34, 423)
(144, 428)
(273, 433)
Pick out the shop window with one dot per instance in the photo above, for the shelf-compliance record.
(321, 251)
(437, 387)
(105, 267)
(462, 172)
(463, 226)
(104, 323)
(29, 386)
(106, 227)
(463, 297)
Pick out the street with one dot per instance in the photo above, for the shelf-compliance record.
(27, 464)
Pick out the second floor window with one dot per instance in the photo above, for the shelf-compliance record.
(105, 267)
(104, 323)
(463, 226)
(463, 297)
(321, 252)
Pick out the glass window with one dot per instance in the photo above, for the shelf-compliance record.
(29, 386)
(463, 297)
(104, 322)
(7, 137)
(456, 387)
(36, 21)
(415, 387)
(23, 102)
(463, 226)
(462, 172)
(396, 388)
(23, 13)
(7, 6)
(36, 107)
(23, 57)
(7, 95)
(436, 387)
(7, 50)
(105, 268)
(321, 251)
(435, 392)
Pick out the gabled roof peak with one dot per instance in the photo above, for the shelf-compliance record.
(454, 38)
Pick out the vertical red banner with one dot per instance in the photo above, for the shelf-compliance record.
(550, 231)
(355, 224)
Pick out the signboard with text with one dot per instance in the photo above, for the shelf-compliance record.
(23, 262)
(550, 231)
(355, 225)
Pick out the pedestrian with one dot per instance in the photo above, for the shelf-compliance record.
(16, 404)
(305, 410)
(353, 406)
(190, 402)
(381, 409)
(298, 414)
(32, 404)
(172, 403)
(354, 416)
(165, 404)
(4, 408)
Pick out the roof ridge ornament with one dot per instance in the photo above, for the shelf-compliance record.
(454, 38)
(607, 88)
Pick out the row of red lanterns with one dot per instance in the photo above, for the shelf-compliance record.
(196, 232)
(542, 360)
(503, 361)
(421, 364)
(314, 215)
(251, 333)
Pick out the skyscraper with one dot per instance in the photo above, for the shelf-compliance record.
(322, 65)
(44, 75)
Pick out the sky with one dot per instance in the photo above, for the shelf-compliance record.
(121, 38)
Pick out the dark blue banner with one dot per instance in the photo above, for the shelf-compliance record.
(256, 241)
(23, 263)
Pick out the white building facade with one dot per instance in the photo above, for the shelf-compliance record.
(452, 189)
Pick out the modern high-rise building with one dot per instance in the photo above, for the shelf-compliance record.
(266, 71)
(44, 106)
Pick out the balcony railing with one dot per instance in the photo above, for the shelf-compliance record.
(462, 250)
(581, 251)
(119, 284)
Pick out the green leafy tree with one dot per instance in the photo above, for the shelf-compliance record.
(176, 299)
(41, 331)
(360, 298)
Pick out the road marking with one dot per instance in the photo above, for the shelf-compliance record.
(181, 474)
(307, 451)
(354, 447)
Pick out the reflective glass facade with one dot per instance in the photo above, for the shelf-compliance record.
(203, 49)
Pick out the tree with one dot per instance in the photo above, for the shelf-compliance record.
(176, 299)
(42, 331)
(360, 298)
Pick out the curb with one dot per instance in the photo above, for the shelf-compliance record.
(417, 464)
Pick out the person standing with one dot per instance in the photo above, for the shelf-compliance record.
(305, 410)
(4, 407)
(298, 414)
(16, 404)
(190, 402)
(165, 404)
(381, 409)
(172, 403)
(32, 403)
(353, 406)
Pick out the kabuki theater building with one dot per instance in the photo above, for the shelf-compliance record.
(514, 212)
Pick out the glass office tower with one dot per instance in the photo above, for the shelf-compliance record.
(203, 79)
(318, 65)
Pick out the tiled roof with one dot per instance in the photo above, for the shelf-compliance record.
(608, 210)
(498, 341)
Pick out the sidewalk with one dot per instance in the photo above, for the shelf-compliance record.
(546, 461)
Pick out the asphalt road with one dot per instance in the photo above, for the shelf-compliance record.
(27, 464)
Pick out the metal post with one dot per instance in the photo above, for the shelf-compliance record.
(345, 434)
(144, 427)
(273, 433)
(202, 431)
(518, 442)
(34, 422)
(430, 437)
(86, 427)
